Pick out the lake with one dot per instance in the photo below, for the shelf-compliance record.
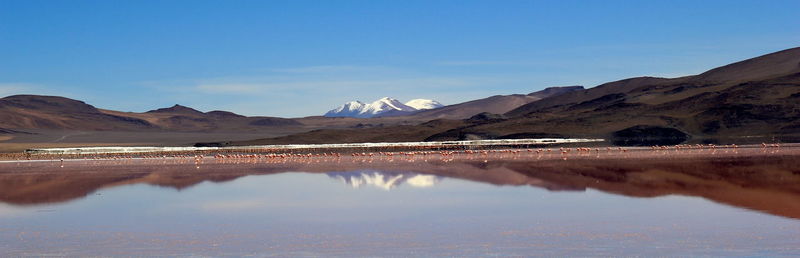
(720, 202)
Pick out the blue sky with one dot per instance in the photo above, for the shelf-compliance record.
(299, 58)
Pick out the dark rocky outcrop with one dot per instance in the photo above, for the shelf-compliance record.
(273, 121)
(485, 117)
(644, 135)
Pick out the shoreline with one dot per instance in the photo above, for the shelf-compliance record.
(502, 152)
(344, 148)
(766, 176)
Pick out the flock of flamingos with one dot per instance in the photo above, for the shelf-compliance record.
(424, 153)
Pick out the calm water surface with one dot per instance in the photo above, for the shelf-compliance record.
(735, 205)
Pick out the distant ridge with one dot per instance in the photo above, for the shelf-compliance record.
(498, 104)
(52, 112)
(757, 99)
(59, 113)
(176, 109)
(769, 66)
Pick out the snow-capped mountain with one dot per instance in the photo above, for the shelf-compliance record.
(384, 180)
(349, 109)
(382, 107)
(423, 104)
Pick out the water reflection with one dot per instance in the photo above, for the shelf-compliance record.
(766, 182)
(498, 204)
(385, 180)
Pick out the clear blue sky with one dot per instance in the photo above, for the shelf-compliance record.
(298, 58)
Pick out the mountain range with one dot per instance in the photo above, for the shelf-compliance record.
(750, 100)
(59, 113)
(754, 100)
(383, 107)
(497, 104)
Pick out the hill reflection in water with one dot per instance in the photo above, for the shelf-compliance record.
(750, 178)
(648, 203)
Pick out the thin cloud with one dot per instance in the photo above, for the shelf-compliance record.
(339, 78)
(267, 88)
(320, 88)
(485, 63)
(334, 69)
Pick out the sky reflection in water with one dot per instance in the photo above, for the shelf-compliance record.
(373, 211)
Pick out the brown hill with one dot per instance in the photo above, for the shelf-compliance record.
(755, 97)
(651, 90)
(181, 118)
(349, 135)
(177, 109)
(59, 113)
(768, 66)
(758, 98)
(50, 112)
(498, 104)
(579, 96)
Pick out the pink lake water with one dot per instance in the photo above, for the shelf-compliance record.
(743, 202)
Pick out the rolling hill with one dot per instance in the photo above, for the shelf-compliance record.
(752, 99)
(497, 104)
(21, 112)
(758, 98)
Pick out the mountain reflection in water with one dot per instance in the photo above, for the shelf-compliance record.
(751, 179)
(385, 180)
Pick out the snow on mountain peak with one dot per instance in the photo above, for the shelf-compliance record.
(423, 104)
(385, 180)
(385, 105)
(351, 108)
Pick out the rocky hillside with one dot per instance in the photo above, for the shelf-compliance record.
(758, 98)
(498, 104)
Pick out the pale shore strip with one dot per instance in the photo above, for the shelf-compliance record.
(297, 147)
(540, 153)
